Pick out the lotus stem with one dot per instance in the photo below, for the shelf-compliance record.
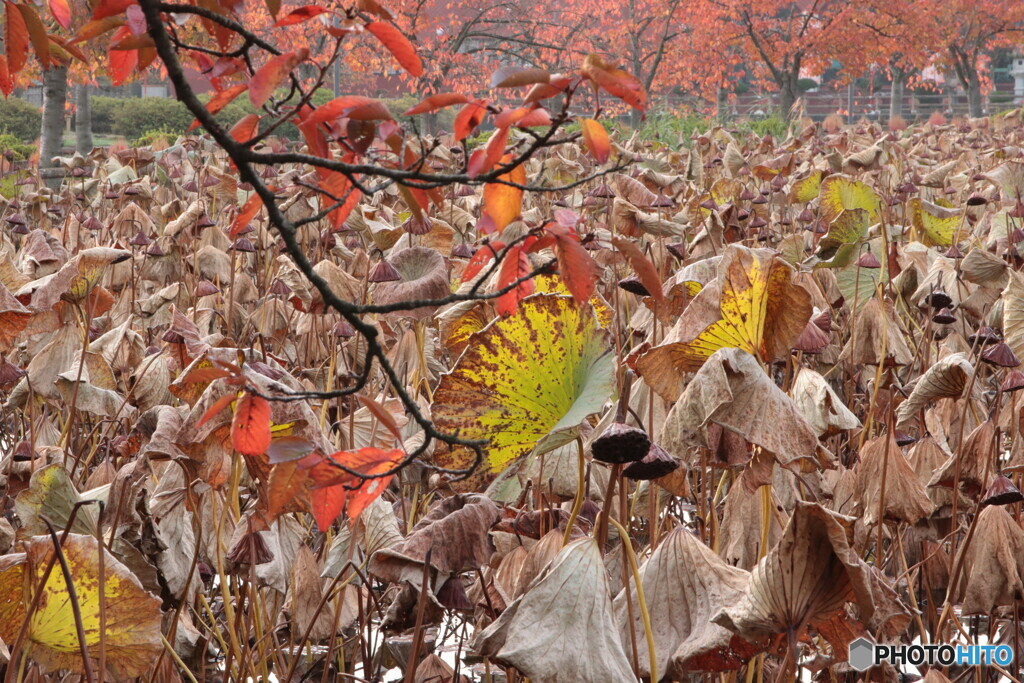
(644, 614)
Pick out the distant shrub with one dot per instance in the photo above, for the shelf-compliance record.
(13, 149)
(833, 123)
(157, 139)
(20, 119)
(937, 119)
(103, 109)
(136, 116)
(897, 123)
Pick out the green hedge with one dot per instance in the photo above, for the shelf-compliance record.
(20, 119)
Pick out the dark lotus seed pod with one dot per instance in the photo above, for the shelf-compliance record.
(620, 444)
(657, 463)
(1002, 492)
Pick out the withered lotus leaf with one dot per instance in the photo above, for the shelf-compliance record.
(993, 562)
(685, 584)
(732, 390)
(582, 644)
(948, 378)
(905, 497)
(807, 577)
(131, 620)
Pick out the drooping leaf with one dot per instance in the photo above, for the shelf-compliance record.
(16, 38)
(642, 266)
(267, 79)
(937, 225)
(131, 624)
(61, 13)
(839, 193)
(246, 128)
(503, 203)
(250, 428)
(36, 33)
(577, 269)
(515, 266)
(245, 215)
(468, 118)
(596, 138)
(221, 99)
(300, 14)
(514, 77)
(350, 106)
(398, 45)
(534, 375)
(431, 104)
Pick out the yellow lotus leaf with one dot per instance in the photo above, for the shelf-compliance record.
(549, 284)
(839, 193)
(840, 246)
(523, 385)
(762, 312)
(806, 189)
(935, 224)
(131, 620)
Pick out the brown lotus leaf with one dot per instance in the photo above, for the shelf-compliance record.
(975, 459)
(537, 560)
(632, 190)
(424, 276)
(581, 644)
(947, 378)
(433, 669)
(732, 390)
(993, 562)
(824, 411)
(90, 385)
(41, 254)
(1009, 178)
(1013, 314)
(685, 584)
(455, 533)
(740, 534)
(927, 457)
(984, 268)
(876, 337)
(305, 593)
(905, 497)
(343, 285)
(807, 577)
(41, 373)
(13, 318)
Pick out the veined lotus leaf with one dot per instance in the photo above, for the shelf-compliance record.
(523, 384)
(131, 623)
(806, 189)
(840, 193)
(763, 312)
(839, 247)
(52, 495)
(935, 224)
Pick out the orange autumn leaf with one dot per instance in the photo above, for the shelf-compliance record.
(267, 79)
(250, 428)
(435, 102)
(220, 99)
(398, 45)
(515, 266)
(503, 203)
(596, 139)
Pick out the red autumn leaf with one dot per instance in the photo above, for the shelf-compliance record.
(337, 185)
(483, 160)
(266, 80)
(511, 117)
(619, 83)
(503, 203)
(435, 102)
(286, 480)
(246, 128)
(352, 107)
(536, 117)
(37, 34)
(16, 38)
(6, 80)
(327, 503)
(301, 14)
(221, 99)
(596, 138)
(642, 266)
(245, 215)
(368, 461)
(250, 429)
(398, 45)
(468, 118)
(121, 63)
(482, 257)
(215, 410)
(273, 6)
(61, 13)
(578, 270)
(383, 415)
(132, 43)
(516, 265)
(97, 27)
(109, 8)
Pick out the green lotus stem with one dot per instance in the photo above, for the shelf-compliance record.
(580, 485)
(644, 614)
